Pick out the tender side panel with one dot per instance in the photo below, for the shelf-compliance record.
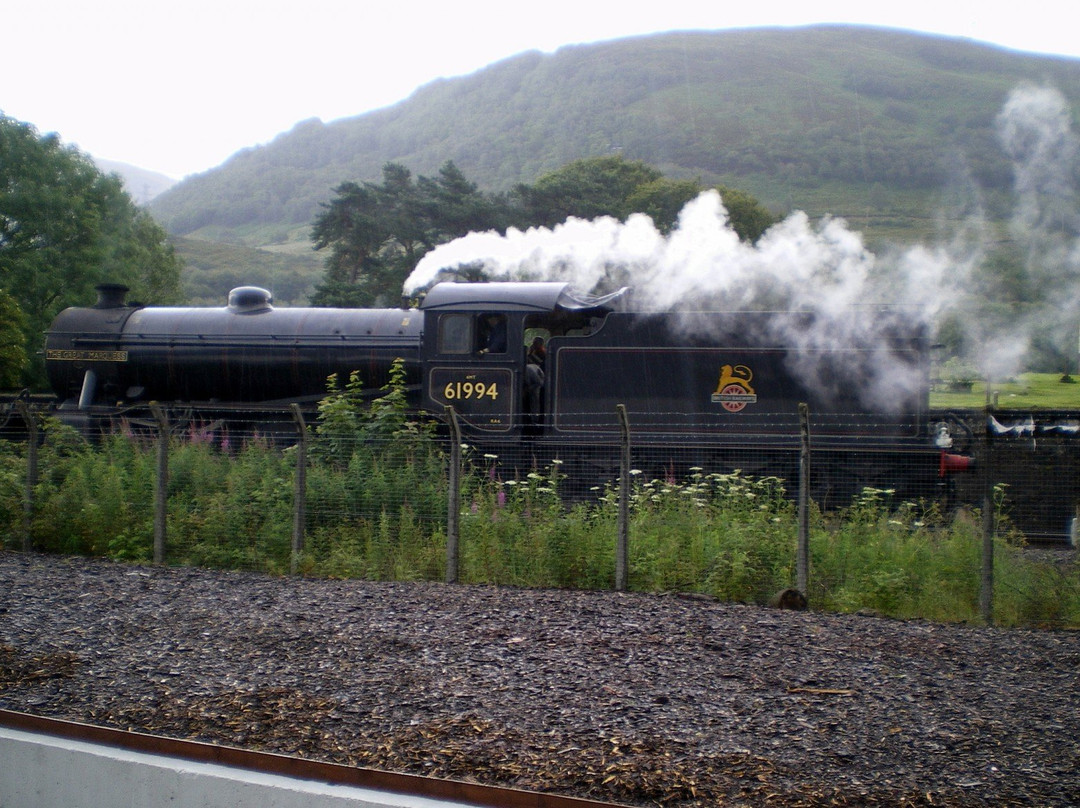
(709, 392)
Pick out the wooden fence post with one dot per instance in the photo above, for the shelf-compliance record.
(161, 482)
(986, 583)
(31, 471)
(802, 555)
(299, 489)
(453, 507)
(622, 539)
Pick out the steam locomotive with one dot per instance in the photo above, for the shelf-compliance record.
(705, 387)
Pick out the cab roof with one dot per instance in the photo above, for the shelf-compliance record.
(518, 296)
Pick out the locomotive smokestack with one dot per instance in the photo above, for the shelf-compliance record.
(110, 295)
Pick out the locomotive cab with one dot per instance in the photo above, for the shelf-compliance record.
(483, 349)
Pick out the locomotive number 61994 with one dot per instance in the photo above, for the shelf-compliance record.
(478, 396)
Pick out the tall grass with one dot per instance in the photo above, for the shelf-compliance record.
(1026, 391)
(377, 505)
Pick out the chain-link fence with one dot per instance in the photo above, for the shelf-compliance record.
(640, 503)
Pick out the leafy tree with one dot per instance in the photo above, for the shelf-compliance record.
(749, 218)
(587, 189)
(457, 206)
(662, 199)
(352, 227)
(614, 186)
(377, 233)
(66, 227)
(13, 358)
(407, 215)
(138, 248)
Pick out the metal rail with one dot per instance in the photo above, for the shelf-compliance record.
(300, 768)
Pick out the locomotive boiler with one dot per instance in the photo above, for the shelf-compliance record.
(708, 387)
(113, 355)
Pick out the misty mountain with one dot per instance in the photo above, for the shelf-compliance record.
(881, 127)
(141, 185)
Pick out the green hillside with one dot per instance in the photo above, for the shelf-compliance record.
(883, 128)
(214, 267)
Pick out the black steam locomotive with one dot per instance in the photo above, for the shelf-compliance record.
(531, 368)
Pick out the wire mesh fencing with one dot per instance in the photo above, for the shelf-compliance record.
(646, 509)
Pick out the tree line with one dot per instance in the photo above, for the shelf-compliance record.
(374, 234)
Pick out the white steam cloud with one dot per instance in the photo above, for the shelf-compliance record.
(1035, 130)
(702, 260)
(825, 269)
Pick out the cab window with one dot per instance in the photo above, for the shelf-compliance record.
(455, 334)
(491, 333)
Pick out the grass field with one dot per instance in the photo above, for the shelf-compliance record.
(1028, 390)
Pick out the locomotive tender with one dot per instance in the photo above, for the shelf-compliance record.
(709, 384)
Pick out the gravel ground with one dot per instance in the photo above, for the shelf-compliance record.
(631, 698)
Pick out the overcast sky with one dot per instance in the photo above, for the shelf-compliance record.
(177, 87)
